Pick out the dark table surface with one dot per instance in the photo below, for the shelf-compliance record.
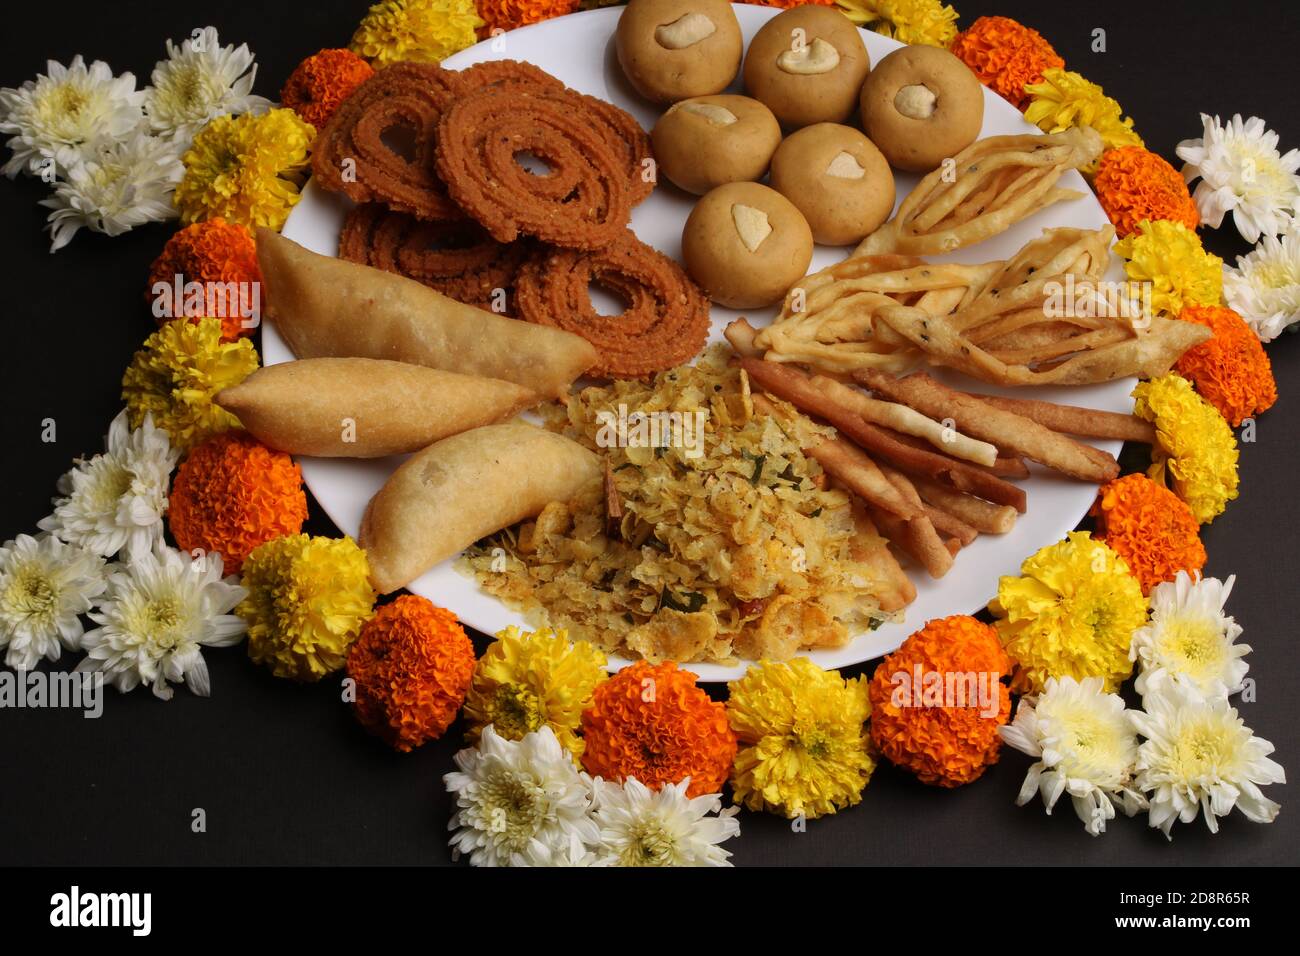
(285, 774)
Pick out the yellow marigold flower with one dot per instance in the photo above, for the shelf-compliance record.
(909, 21)
(307, 600)
(425, 31)
(174, 377)
(1195, 453)
(1071, 613)
(526, 681)
(246, 169)
(1169, 256)
(803, 738)
(1064, 99)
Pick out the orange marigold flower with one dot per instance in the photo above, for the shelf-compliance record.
(1150, 527)
(231, 494)
(321, 82)
(1006, 55)
(509, 14)
(1133, 184)
(931, 701)
(222, 257)
(412, 664)
(1231, 371)
(651, 722)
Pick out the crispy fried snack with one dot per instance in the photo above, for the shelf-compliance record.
(992, 184)
(458, 259)
(666, 321)
(350, 154)
(581, 202)
(992, 321)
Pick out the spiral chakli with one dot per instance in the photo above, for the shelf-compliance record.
(581, 201)
(619, 127)
(351, 156)
(457, 258)
(666, 320)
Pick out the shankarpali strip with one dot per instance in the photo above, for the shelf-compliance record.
(458, 490)
(1007, 430)
(1074, 420)
(366, 408)
(909, 421)
(974, 512)
(795, 387)
(325, 307)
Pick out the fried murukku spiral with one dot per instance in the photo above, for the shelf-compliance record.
(580, 202)
(351, 156)
(458, 259)
(666, 321)
(619, 127)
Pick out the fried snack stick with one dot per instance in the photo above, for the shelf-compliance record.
(793, 386)
(999, 181)
(971, 511)
(850, 467)
(463, 488)
(902, 418)
(1007, 430)
(893, 589)
(326, 307)
(939, 520)
(895, 529)
(1073, 420)
(366, 408)
(1007, 467)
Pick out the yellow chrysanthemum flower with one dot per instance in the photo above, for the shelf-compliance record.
(177, 373)
(803, 738)
(307, 600)
(426, 31)
(246, 169)
(909, 21)
(1170, 257)
(526, 681)
(1071, 613)
(1065, 99)
(1195, 453)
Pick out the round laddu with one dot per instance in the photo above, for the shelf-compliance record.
(706, 141)
(837, 178)
(746, 244)
(807, 65)
(674, 49)
(920, 106)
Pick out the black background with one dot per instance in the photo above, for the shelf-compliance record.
(285, 774)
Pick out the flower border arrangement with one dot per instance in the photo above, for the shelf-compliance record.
(566, 765)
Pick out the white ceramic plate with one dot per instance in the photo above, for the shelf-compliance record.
(579, 49)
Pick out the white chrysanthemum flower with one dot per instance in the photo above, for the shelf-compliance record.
(644, 827)
(1086, 746)
(1199, 755)
(519, 803)
(1190, 638)
(199, 80)
(1242, 172)
(117, 499)
(44, 585)
(126, 184)
(1264, 288)
(66, 113)
(158, 614)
